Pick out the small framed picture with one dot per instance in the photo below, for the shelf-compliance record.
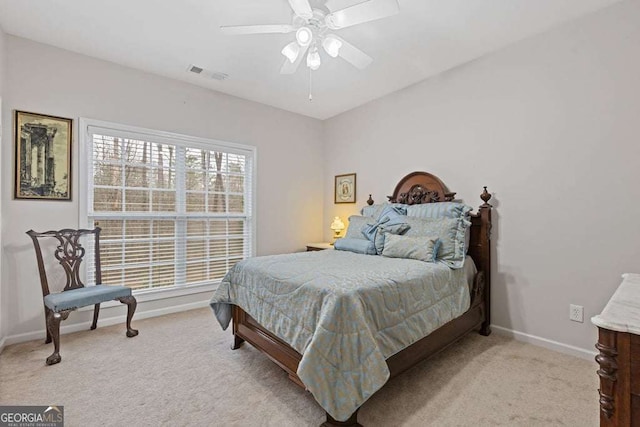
(345, 188)
(42, 157)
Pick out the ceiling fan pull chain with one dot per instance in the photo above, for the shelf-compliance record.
(310, 94)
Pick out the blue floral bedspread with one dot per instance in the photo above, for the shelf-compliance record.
(345, 313)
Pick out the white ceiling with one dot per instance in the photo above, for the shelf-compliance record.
(165, 36)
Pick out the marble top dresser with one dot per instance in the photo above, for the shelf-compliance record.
(619, 355)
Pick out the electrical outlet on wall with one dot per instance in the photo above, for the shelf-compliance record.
(576, 313)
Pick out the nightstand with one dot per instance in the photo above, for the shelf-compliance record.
(318, 246)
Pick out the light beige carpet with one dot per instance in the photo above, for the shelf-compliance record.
(180, 372)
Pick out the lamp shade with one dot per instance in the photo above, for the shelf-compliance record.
(313, 60)
(291, 51)
(337, 225)
(331, 45)
(304, 36)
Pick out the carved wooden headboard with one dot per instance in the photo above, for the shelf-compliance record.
(420, 187)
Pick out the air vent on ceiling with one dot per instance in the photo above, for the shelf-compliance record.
(207, 73)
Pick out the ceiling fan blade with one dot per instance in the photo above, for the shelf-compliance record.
(302, 8)
(291, 67)
(363, 12)
(353, 55)
(235, 30)
(334, 5)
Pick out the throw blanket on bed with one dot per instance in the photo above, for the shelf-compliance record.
(344, 312)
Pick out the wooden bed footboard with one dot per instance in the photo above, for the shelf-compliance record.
(246, 328)
(415, 188)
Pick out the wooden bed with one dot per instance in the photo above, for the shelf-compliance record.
(415, 188)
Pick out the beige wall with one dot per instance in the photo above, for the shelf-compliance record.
(2, 124)
(48, 80)
(2, 60)
(551, 125)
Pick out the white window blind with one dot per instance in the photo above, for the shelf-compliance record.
(174, 210)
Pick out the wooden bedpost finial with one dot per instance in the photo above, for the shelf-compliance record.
(485, 196)
(369, 200)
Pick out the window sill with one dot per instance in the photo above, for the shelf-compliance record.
(144, 295)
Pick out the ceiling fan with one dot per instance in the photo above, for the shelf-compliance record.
(313, 27)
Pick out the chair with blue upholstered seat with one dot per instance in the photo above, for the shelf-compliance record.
(57, 306)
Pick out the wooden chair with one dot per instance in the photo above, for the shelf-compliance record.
(57, 306)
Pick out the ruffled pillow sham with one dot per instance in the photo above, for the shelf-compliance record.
(451, 232)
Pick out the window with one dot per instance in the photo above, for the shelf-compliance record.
(174, 210)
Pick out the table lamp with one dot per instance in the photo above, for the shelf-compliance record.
(337, 226)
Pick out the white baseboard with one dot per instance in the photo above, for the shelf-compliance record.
(546, 343)
(519, 336)
(109, 321)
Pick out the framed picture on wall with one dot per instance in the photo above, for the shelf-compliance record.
(42, 157)
(345, 188)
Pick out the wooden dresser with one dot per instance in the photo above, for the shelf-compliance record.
(619, 355)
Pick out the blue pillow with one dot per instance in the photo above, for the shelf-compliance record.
(392, 219)
(374, 210)
(385, 229)
(359, 246)
(439, 210)
(356, 224)
(422, 248)
(450, 231)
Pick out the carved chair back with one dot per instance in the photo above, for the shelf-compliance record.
(69, 252)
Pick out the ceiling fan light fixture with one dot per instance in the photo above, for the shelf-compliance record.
(332, 46)
(313, 60)
(304, 36)
(291, 51)
(312, 23)
(334, 21)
